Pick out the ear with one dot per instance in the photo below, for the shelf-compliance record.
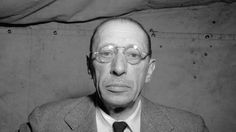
(89, 66)
(151, 68)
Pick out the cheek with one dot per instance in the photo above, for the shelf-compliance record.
(101, 72)
(138, 74)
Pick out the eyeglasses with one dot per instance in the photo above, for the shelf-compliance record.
(132, 53)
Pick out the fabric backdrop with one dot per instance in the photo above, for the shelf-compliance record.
(36, 11)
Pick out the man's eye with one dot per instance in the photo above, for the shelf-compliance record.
(106, 54)
(133, 55)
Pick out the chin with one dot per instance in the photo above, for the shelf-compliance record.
(119, 102)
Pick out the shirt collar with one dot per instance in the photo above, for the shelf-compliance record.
(133, 120)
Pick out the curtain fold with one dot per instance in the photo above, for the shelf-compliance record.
(36, 11)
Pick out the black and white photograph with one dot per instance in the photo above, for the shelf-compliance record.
(117, 65)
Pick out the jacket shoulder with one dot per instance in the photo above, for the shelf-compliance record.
(58, 107)
(180, 120)
(61, 105)
(52, 114)
(185, 120)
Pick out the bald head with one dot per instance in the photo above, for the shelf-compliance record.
(120, 24)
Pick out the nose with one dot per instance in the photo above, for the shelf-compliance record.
(119, 65)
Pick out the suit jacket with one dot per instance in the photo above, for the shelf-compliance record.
(78, 115)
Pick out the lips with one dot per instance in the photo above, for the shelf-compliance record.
(117, 87)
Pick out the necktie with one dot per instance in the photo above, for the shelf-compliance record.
(119, 126)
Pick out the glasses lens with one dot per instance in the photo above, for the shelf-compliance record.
(105, 54)
(133, 55)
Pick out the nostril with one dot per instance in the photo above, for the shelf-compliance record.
(118, 65)
(114, 73)
(118, 69)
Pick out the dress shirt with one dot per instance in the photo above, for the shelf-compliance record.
(104, 121)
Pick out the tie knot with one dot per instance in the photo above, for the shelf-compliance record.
(119, 126)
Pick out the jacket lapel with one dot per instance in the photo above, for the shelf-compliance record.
(153, 118)
(82, 117)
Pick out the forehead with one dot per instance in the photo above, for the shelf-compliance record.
(121, 34)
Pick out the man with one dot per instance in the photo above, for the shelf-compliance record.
(120, 64)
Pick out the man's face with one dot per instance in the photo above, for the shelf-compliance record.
(118, 82)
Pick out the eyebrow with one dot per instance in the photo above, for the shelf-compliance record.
(107, 44)
(128, 45)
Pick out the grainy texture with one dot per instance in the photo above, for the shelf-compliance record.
(36, 11)
(196, 68)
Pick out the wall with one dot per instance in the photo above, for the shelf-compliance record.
(196, 69)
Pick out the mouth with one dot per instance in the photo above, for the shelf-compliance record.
(117, 88)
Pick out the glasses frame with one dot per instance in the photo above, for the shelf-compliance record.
(94, 55)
